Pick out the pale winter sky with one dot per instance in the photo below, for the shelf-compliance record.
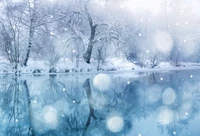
(153, 5)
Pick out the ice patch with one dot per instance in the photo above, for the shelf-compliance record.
(115, 124)
(102, 82)
(169, 96)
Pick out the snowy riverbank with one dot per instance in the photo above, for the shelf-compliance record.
(113, 65)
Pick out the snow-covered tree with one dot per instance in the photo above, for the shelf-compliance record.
(35, 15)
(180, 22)
(12, 33)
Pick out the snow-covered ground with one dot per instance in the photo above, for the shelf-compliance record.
(114, 65)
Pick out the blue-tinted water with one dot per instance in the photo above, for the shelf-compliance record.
(126, 104)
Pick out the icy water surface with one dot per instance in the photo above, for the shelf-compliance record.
(126, 104)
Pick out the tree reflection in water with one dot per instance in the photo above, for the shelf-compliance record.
(72, 105)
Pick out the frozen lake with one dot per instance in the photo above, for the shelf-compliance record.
(125, 104)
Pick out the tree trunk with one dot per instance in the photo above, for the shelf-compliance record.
(26, 89)
(86, 86)
(30, 41)
(88, 53)
(99, 58)
(32, 12)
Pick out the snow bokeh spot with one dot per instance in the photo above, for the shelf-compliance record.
(50, 116)
(115, 124)
(163, 42)
(169, 96)
(102, 82)
(122, 6)
(165, 116)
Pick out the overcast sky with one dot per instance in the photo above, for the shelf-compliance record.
(153, 5)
